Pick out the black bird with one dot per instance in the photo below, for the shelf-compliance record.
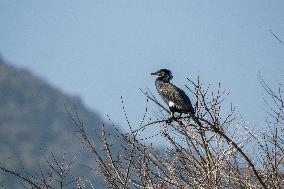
(176, 98)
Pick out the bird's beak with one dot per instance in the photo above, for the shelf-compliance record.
(154, 73)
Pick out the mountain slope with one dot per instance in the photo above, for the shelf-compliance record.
(34, 122)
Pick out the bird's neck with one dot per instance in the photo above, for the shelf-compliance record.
(163, 79)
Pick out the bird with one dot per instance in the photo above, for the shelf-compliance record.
(173, 96)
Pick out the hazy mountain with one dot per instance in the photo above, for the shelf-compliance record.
(34, 123)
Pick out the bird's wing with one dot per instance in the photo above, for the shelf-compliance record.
(177, 96)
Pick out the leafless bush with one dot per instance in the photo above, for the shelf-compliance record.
(212, 149)
(53, 173)
(207, 150)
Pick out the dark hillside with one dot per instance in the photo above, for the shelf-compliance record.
(34, 122)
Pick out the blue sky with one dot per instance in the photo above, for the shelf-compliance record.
(101, 50)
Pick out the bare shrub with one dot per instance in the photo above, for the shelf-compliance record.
(53, 173)
(213, 149)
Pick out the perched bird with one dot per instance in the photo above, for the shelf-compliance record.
(176, 98)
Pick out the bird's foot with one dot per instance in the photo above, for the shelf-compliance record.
(180, 116)
(170, 120)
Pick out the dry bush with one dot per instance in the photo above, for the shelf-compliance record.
(53, 173)
(212, 149)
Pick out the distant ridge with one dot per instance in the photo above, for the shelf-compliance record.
(34, 122)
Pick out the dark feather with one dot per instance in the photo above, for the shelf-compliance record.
(176, 98)
(171, 93)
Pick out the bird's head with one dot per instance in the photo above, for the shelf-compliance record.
(164, 74)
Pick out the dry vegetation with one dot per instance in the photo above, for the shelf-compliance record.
(212, 149)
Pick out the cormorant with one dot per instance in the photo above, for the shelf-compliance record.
(176, 98)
